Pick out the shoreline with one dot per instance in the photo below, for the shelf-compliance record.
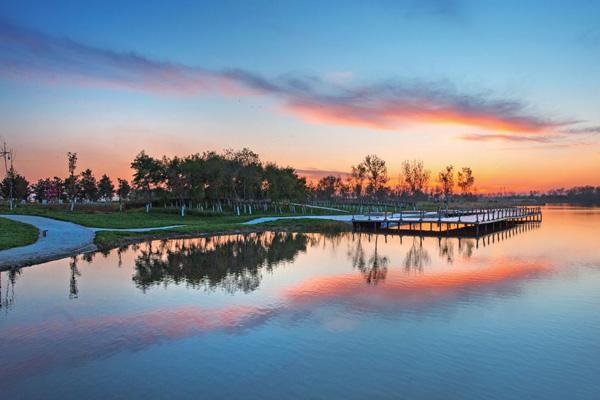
(106, 239)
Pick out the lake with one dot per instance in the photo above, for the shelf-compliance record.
(513, 315)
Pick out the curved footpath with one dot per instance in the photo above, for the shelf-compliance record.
(62, 239)
(342, 218)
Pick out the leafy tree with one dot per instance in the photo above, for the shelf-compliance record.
(106, 189)
(40, 188)
(177, 181)
(193, 168)
(329, 187)
(283, 184)
(123, 191)
(148, 174)
(20, 186)
(88, 186)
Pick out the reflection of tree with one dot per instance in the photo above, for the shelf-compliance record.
(446, 247)
(466, 247)
(375, 268)
(230, 263)
(73, 290)
(8, 298)
(416, 257)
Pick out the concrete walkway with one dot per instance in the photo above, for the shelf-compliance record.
(62, 239)
(342, 218)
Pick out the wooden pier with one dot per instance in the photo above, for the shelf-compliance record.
(471, 222)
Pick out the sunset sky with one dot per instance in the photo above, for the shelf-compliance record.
(511, 88)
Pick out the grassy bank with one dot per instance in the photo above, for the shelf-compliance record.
(110, 217)
(193, 224)
(16, 234)
(111, 239)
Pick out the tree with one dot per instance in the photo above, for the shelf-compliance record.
(123, 192)
(376, 174)
(466, 180)
(177, 181)
(106, 189)
(357, 178)
(415, 177)
(72, 183)
(446, 180)
(15, 185)
(147, 175)
(40, 189)
(88, 185)
(329, 187)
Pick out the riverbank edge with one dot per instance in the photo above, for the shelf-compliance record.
(105, 241)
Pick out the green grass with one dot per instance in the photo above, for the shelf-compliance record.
(137, 218)
(16, 234)
(109, 239)
(195, 223)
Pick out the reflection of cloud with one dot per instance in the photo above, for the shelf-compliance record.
(71, 341)
(78, 340)
(423, 287)
(388, 104)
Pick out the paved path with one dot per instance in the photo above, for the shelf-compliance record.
(62, 239)
(343, 218)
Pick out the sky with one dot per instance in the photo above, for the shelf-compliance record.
(510, 89)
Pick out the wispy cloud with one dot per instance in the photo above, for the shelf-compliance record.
(388, 105)
(484, 137)
(590, 130)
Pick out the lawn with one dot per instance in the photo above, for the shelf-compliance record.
(138, 218)
(15, 234)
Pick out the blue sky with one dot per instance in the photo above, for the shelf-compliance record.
(510, 88)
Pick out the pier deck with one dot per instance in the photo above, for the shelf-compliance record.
(448, 221)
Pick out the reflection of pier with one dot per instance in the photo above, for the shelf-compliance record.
(458, 223)
(484, 239)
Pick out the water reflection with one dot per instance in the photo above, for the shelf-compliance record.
(374, 268)
(416, 257)
(231, 263)
(7, 297)
(73, 290)
(374, 276)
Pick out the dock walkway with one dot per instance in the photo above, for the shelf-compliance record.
(448, 220)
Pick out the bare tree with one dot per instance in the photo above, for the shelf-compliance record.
(415, 177)
(446, 180)
(376, 174)
(71, 183)
(8, 157)
(357, 179)
(466, 180)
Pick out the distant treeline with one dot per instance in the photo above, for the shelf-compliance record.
(576, 195)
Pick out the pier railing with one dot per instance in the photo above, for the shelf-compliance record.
(474, 219)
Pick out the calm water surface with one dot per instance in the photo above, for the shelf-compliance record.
(274, 316)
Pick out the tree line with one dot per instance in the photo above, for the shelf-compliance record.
(207, 180)
(369, 179)
(211, 180)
